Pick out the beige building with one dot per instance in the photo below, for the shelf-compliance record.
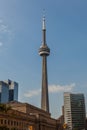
(23, 116)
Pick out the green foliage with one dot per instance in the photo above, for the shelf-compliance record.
(3, 128)
(4, 108)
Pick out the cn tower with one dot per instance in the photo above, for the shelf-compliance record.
(44, 51)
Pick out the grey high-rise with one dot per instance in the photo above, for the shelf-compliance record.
(74, 110)
(44, 51)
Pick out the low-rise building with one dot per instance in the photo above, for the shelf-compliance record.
(23, 116)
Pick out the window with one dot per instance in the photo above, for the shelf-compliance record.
(5, 121)
(1, 121)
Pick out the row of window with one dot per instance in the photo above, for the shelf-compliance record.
(12, 123)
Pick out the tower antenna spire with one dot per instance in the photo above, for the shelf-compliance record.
(43, 25)
(43, 29)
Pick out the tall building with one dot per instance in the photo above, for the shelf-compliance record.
(4, 92)
(13, 90)
(74, 110)
(44, 51)
(8, 91)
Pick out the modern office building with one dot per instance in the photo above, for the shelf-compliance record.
(8, 91)
(74, 110)
(13, 90)
(4, 92)
(44, 51)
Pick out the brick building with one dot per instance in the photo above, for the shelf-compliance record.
(23, 116)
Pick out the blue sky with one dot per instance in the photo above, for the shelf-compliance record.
(21, 37)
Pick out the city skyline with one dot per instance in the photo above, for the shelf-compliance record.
(21, 36)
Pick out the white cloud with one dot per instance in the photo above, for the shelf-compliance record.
(61, 88)
(52, 89)
(6, 34)
(3, 28)
(32, 93)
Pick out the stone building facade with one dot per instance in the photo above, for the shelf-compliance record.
(23, 116)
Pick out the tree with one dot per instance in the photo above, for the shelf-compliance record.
(3, 128)
(4, 107)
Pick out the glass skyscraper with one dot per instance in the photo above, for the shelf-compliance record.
(4, 92)
(8, 91)
(74, 110)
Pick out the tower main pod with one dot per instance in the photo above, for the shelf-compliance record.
(44, 51)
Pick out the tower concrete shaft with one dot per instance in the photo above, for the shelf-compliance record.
(44, 51)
